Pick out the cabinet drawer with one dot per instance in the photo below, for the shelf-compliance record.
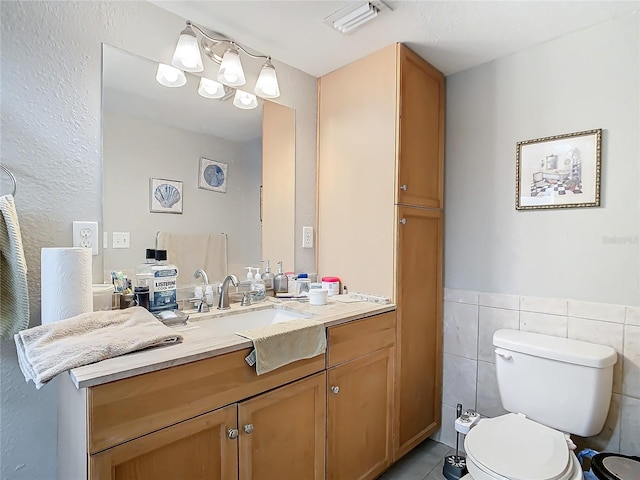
(352, 340)
(128, 408)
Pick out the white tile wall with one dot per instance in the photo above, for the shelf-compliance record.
(552, 306)
(460, 327)
(459, 377)
(471, 318)
(597, 311)
(545, 323)
(601, 333)
(632, 316)
(631, 365)
(630, 426)
(489, 403)
(498, 300)
(490, 320)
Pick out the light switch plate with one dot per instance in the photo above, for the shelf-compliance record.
(121, 240)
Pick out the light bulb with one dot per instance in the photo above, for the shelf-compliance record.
(210, 89)
(231, 72)
(267, 84)
(187, 53)
(170, 76)
(245, 100)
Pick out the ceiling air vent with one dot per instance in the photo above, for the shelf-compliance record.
(354, 15)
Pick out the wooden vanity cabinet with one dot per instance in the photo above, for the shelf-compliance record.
(176, 423)
(282, 432)
(360, 398)
(380, 207)
(280, 435)
(199, 448)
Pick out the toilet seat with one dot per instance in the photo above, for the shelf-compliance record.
(512, 447)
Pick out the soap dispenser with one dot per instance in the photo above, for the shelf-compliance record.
(280, 281)
(268, 277)
(249, 272)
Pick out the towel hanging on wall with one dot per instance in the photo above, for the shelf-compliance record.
(14, 291)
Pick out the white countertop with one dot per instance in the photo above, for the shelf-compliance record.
(198, 345)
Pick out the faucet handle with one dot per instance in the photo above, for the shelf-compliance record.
(246, 299)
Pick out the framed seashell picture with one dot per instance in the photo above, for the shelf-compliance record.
(165, 196)
(213, 175)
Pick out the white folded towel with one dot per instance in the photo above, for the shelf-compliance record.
(47, 350)
(14, 291)
(283, 343)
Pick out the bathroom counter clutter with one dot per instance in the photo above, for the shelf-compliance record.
(207, 335)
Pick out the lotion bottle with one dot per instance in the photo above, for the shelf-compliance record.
(268, 277)
(280, 281)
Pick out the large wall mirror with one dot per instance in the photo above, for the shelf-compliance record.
(162, 149)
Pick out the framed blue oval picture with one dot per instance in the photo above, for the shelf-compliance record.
(213, 175)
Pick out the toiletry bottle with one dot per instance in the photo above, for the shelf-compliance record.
(258, 287)
(162, 291)
(249, 273)
(209, 295)
(268, 277)
(280, 281)
(198, 294)
(144, 276)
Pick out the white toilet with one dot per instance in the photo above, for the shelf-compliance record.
(554, 386)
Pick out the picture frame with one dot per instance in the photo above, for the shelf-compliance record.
(562, 171)
(212, 175)
(165, 196)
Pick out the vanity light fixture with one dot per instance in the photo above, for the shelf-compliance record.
(170, 76)
(211, 89)
(354, 15)
(188, 57)
(245, 100)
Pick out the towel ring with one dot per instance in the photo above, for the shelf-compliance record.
(13, 179)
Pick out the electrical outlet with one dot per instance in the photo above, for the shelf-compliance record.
(307, 237)
(121, 240)
(85, 234)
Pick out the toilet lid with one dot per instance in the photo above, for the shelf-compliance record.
(515, 447)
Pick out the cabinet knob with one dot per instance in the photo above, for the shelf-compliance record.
(403, 221)
(335, 389)
(232, 433)
(404, 187)
(248, 428)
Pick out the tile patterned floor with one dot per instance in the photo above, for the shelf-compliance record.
(423, 463)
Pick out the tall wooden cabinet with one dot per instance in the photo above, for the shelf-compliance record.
(380, 212)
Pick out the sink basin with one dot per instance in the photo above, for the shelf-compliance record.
(237, 322)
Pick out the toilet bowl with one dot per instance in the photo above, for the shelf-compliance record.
(552, 385)
(512, 447)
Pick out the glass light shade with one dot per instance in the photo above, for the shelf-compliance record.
(245, 100)
(210, 88)
(170, 76)
(187, 53)
(267, 84)
(231, 72)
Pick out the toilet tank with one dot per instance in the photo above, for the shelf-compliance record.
(562, 383)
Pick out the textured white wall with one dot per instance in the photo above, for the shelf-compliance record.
(136, 149)
(51, 139)
(582, 81)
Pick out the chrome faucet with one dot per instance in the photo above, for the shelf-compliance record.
(223, 301)
(201, 273)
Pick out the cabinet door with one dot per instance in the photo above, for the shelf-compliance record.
(359, 413)
(282, 432)
(419, 316)
(421, 132)
(195, 449)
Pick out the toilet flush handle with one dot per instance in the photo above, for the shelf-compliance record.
(503, 353)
